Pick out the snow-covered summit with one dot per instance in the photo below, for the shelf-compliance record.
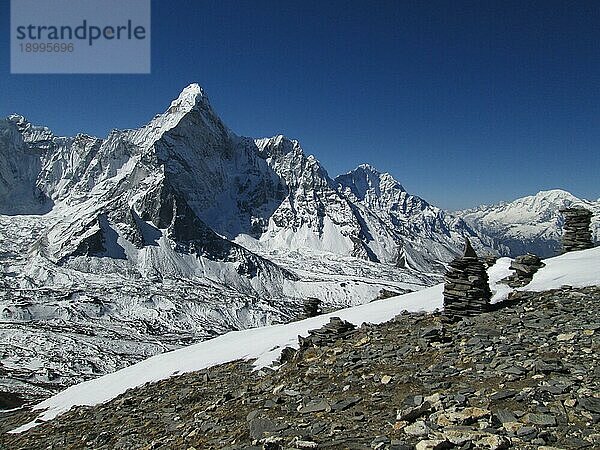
(278, 145)
(530, 204)
(532, 223)
(406, 229)
(366, 180)
(190, 109)
(192, 96)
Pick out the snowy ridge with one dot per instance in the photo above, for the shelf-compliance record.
(264, 345)
(529, 224)
(404, 229)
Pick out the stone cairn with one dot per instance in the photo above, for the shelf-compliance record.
(327, 334)
(577, 234)
(524, 266)
(311, 308)
(466, 290)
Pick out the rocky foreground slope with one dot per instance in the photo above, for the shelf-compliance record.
(523, 376)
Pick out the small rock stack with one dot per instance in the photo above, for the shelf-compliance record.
(525, 266)
(466, 290)
(311, 307)
(327, 334)
(489, 260)
(577, 234)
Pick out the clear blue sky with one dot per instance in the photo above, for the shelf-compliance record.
(464, 102)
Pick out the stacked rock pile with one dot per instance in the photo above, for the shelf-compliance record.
(466, 290)
(334, 330)
(577, 234)
(525, 266)
(311, 307)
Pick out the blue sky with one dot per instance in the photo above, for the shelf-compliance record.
(464, 102)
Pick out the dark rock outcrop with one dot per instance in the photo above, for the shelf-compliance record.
(311, 307)
(328, 333)
(489, 260)
(469, 250)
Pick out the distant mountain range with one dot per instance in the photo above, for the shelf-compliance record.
(118, 248)
(530, 224)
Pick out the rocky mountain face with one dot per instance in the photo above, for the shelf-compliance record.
(523, 376)
(187, 160)
(404, 229)
(530, 224)
(119, 248)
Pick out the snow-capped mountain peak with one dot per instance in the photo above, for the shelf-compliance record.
(278, 145)
(406, 230)
(529, 224)
(365, 180)
(554, 194)
(189, 97)
(191, 110)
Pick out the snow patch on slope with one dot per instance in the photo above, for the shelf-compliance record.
(497, 272)
(577, 269)
(263, 344)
